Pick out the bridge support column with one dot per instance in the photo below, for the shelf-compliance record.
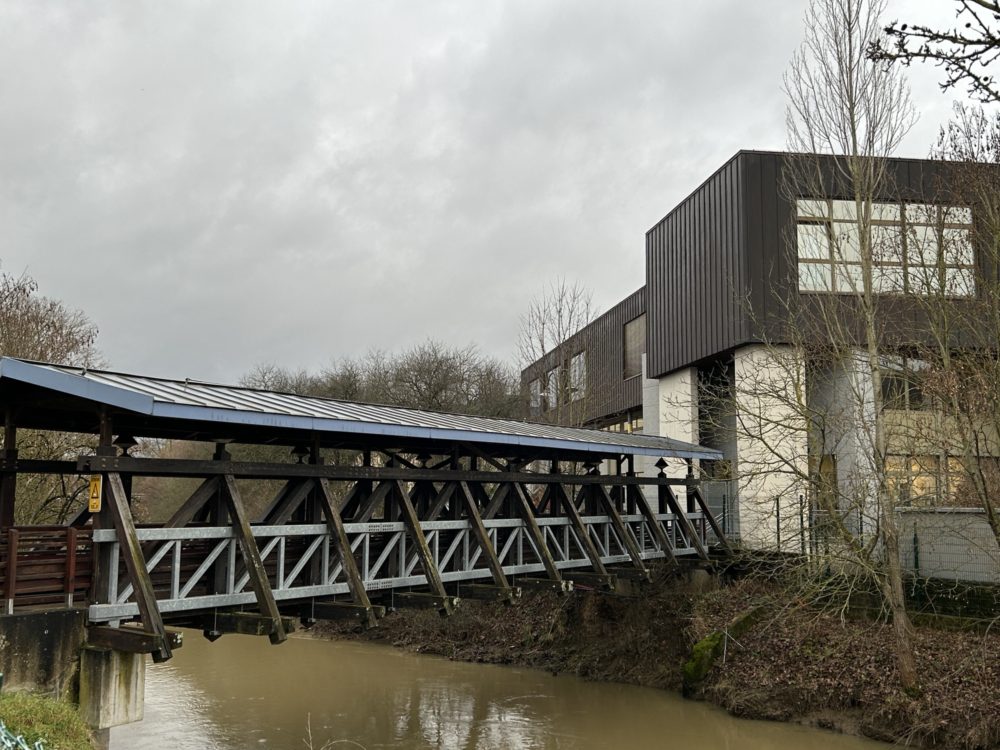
(112, 685)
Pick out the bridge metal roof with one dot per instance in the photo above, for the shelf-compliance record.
(154, 403)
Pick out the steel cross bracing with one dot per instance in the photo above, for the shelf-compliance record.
(432, 533)
(381, 549)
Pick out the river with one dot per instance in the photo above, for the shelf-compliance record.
(241, 692)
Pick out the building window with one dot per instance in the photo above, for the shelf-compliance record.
(634, 346)
(552, 388)
(535, 397)
(578, 376)
(899, 391)
(916, 248)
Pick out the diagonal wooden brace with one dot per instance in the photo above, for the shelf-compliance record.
(251, 558)
(135, 564)
(639, 498)
(621, 529)
(336, 525)
(524, 508)
(483, 538)
(573, 513)
(416, 533)
(710, 517)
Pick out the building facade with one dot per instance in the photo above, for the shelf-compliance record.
(750, 336)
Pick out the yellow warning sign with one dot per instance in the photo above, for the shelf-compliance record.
(95, 493)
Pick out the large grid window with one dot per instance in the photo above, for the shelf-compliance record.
(634, 337)
(552, 388)
(917, 248)
(535, 396)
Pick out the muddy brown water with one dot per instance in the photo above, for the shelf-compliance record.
(240, 692)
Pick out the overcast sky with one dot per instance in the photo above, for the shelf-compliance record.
(222, 184)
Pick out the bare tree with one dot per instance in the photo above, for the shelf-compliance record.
(966, 51)
(816, 382)
(548, 341)
(39, 328)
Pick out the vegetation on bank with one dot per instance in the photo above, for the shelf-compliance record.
(782, 659)
(57, 723)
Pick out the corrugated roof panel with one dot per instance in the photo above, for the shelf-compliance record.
(223, 404)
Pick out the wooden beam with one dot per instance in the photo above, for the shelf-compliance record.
(132, 640)
(639, 498)
(485, 592)
(251, 559)
(444, 604)
(135, 564)
(483, 537)
(710, 517)
(292, 496)
(339, 537)
(582, 534)
(155, 467)
(190, 507)
(426, 558)
(621, 529)
(8, 480)
(367, 508)
(667, 496)
(246, 623)
(524, 508)
(344, 611)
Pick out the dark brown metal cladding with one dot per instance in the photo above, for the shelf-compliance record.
(721, 267)
(609, 392)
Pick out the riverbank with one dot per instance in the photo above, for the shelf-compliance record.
(57, 723)
(790, 663)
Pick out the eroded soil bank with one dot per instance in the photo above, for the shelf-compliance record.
(790, 663)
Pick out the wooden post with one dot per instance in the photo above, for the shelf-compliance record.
(8, 481)
(70, 580)
(343, 545)
(251, 558)
(10, 582)
(135, 564)
(412, 523)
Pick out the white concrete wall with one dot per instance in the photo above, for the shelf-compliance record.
(843, 404)
(772, 446)
(670, 407)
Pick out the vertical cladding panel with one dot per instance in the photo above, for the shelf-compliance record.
(695, 276)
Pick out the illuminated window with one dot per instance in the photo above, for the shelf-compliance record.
(916, 248)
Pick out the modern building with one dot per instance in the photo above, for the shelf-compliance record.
(758, 264)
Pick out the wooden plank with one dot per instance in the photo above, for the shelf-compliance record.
(496, 502)
(246, 623)
(339, 536)
(135, 563)
(251, 559)
(426, 558)
(545, 584)
(523, 505)
(483, 537)
(69, 581)
(367, 508)
(710, 517)
(621, 529)
(639, 498)
(573, 513)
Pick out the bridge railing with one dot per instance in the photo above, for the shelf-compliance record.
(200, 568)
(43, 565)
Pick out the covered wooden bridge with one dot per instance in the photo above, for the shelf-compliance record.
(370, 499)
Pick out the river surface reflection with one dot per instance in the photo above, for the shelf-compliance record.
(241, 692)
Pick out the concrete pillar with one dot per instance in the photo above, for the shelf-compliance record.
(112, 684)
(40, 651)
